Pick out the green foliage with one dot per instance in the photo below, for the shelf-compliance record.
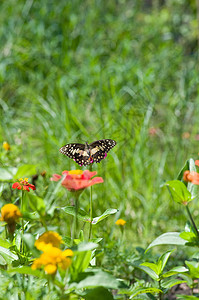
(72, 71)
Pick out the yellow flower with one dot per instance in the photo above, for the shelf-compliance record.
(6, 146)
(120, 222)
(52, 258)
(48, 238)
(10, 213)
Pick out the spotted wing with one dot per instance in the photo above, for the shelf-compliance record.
(100, 148)
(77, 152)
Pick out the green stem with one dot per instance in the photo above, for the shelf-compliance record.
(22, 222)
(160, 294)
(76, 212)
(91, 214)
(192, 221)
(75, 220)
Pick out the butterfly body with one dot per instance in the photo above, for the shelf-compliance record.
(86, 154)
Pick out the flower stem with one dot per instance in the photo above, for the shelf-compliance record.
(75, 220)
(91, 210)
(22, 223)
(192, 221)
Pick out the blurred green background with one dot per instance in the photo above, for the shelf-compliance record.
(76, 71)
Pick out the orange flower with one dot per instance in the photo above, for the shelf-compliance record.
(197, 162)
(120, 222)
(52, 258)
(48, 238)
(186, 135)
(192, 177)
(10, 214)
(23, 184)
(6, 146)
(77, 179)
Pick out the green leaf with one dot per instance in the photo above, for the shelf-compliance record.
(7, 173)
(29, 240)
(151, 266)
(97, 293)
(36, 203)
(96, 278)
(144, 290)
(193, 268)
(86, 246)
(68, 241)
(174, 271)
(189, 236)
(7, 255)
(169, 238)
(163, 260)
(149, 271)
(179, 191)
(5, 243)
(167, 284)
(25, 171)
(107, 213)
(82, 215)
(25, 270)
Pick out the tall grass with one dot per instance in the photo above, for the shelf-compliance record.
(76, 71)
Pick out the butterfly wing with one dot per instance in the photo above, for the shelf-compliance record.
(100, 148)
(77, 152)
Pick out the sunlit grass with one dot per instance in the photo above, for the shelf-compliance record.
(72, 72)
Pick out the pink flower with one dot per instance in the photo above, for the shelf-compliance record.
(77, 179)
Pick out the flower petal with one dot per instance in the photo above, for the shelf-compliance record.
(55, 177)
(32, 186)
(26, 188)
(16, 185)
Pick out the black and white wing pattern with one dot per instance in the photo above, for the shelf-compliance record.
(86, 154)
(76, 152)
(99, 149)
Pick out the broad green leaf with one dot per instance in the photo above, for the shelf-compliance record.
(163, 260)
(107, 213)
(7, 255)
(144, 290)
(169, 238)
(82, 215)
(97, 293)
(36, 203)
(96, 278)
(82, 258)
(167, 284)
(29, 240)
(151, 266)
(5, 243)
(7, 173)
(80, 263)
(150, 272)
(174, 271)
(25, 270)
(188, 236)
(25, 171)
(193, 268)
(86, 246)
(179, 191)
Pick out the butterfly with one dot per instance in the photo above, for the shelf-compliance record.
(86, 154)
